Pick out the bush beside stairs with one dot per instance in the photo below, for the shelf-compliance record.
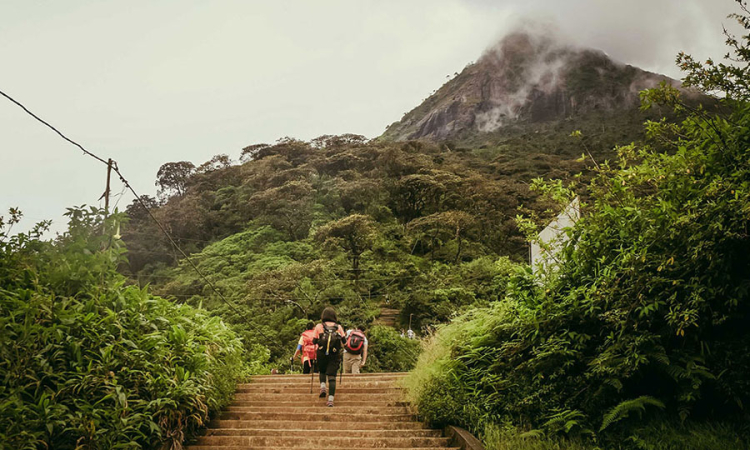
(278, 412)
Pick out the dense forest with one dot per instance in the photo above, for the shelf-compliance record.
(131, 329)
(427, 228)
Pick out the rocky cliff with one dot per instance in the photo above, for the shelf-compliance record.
(525, 78)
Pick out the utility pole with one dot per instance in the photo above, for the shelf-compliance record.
(106, 191)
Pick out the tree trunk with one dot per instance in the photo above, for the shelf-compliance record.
(355, 269)
(460, 242)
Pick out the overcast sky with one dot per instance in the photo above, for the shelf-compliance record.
(148, 82)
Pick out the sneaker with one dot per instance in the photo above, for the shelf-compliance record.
(329, 403)
(322, 393)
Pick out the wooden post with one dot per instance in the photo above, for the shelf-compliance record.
(106, 191)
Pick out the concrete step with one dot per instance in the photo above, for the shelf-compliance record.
(301, 378)
(358, 375)
(314, 423)
(311, 402)
(319, 409)
(279, 412)
(291, 390)
(365, 399)
(323, 432)
(245, 447)
(328, 415)
(304, 388)
(313, 442)
(316, 382)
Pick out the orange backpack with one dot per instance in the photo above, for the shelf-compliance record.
(309, 350)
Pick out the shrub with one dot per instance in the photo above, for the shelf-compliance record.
(87, 362)
(389, 352)
(648, 308)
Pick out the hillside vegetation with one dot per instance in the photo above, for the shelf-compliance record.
(88, 362)
(639, 338)
(427, 228)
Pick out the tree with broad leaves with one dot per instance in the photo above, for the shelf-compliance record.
(443, 226)
(221, 161)
(342, 140)
(354, 234)
(251, 151)
(172, 178)
(723, 80)
(138, 210)
(287, 208)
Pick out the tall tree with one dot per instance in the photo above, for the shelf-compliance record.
(287, 208)
(172, 178)
(443, 226)
(221, 161)
(354, 234)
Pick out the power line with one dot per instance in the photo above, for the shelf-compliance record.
(189, 260)
(54, 129)
(321, 280)
(119, 197)
(128, 233)
(143, 204)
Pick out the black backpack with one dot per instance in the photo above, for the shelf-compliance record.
(356, 342)
(329, 341)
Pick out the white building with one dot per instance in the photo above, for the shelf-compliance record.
(544, 252)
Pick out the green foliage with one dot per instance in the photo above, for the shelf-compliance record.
(354, 234)
(451, 289)
(649, 301)
(657, 435)
(87, 362)
(389, 352)
(647, 310)
(172, 177)
(624, 409)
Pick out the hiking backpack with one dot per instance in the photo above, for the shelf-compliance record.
(309, 349)
(329, 341)
(356, 342)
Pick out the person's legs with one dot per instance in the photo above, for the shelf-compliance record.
(348, 362)
(332, 367)
(322, 368)
(306, 367)
(356, 360)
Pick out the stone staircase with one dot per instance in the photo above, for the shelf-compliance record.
(388, 317)
(278, 412)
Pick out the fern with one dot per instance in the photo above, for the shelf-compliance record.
(567, 420)
(623, 410)
(532, 434)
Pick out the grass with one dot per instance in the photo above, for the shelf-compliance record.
(657, 435)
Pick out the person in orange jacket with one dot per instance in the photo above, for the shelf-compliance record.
(307, 349)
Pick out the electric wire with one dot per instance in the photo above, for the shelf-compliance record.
(54, 129)
(126, 183)
(127, 186)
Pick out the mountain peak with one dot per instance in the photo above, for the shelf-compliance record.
(525, 77)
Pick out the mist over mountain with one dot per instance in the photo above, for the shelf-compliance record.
(527, 77)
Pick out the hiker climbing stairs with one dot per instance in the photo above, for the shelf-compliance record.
(278, 412)
(388, 317)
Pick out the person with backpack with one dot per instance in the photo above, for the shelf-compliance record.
(355, 350)
(329, 337)
(307, 349)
